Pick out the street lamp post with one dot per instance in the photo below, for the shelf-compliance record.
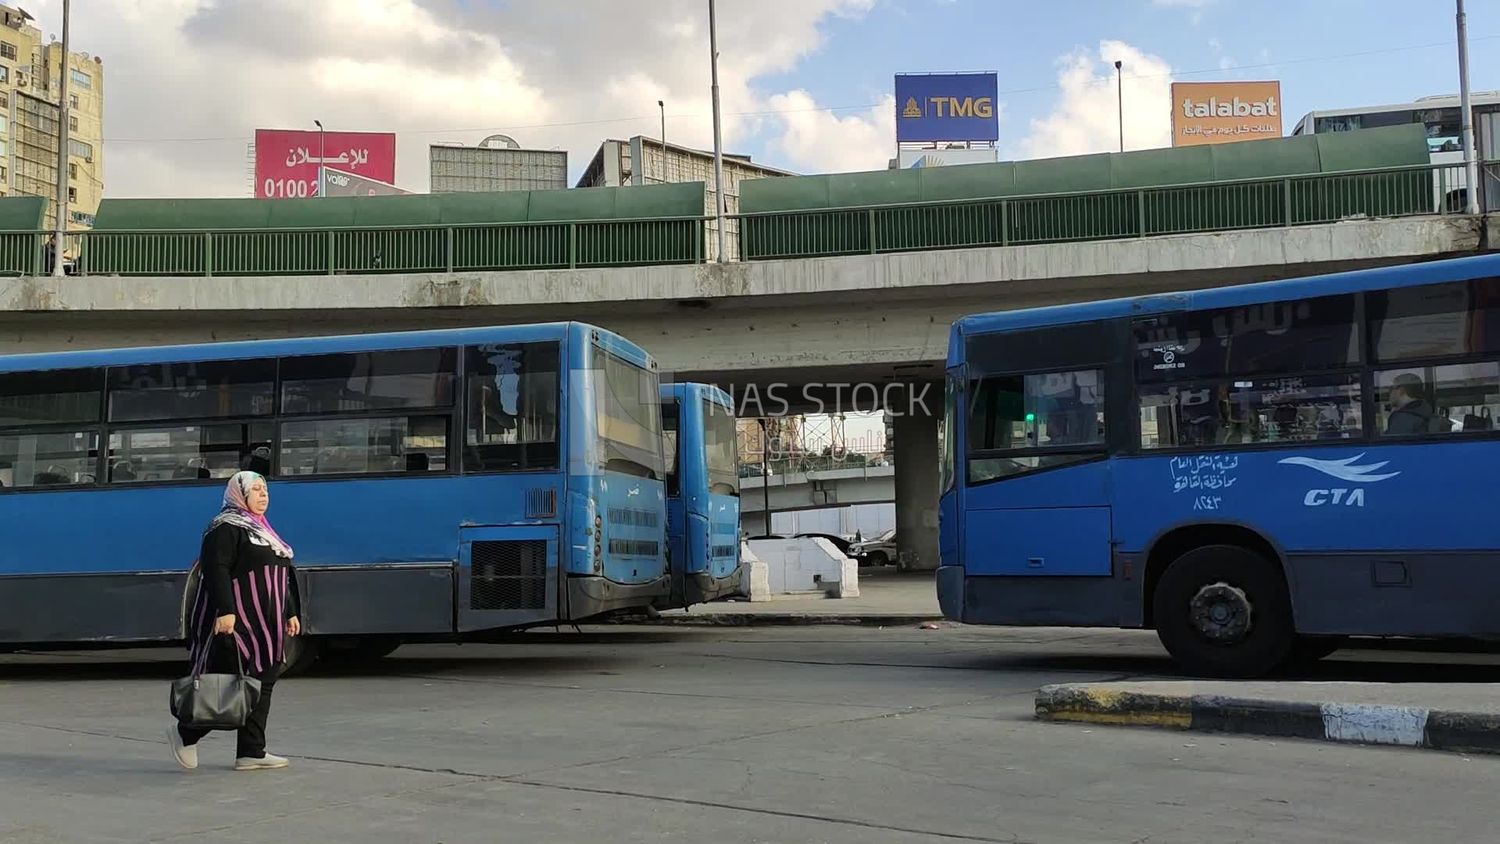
(662, 106)
(1120, 100)
(1471, 164)
(765, 473)
(319, 124)
(713, 50)
(60, 225)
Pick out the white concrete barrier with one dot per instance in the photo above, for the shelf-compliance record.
(803, 565)
(755, 581)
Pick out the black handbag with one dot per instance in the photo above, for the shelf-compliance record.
(214, 701)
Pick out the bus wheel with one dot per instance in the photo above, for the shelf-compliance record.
(1223, 611)
(300, 652)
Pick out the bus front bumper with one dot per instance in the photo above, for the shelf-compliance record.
(702, 587)
(590, 596)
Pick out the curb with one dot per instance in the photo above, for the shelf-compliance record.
(727, 619)
(1355, 723)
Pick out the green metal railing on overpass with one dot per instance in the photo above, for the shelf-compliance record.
(1106, 214)
(1008, 221)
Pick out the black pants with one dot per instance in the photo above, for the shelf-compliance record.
(251, 738)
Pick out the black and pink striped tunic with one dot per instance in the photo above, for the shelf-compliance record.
(243, 576)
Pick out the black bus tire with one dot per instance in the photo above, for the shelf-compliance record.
(1224, 611)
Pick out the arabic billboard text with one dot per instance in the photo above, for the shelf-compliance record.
(1225, 112)
(946, 107)
(287, 160)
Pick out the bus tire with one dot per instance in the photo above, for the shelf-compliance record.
(299, 654)
(1224, 611)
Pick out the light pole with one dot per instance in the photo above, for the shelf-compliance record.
(713, 51)
(1471, 164)
(1120, 100)
(765, 473)
(319, 124)
(60, 227)
(663, 107)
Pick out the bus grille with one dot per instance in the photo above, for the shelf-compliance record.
(722, 551)
(541, 503)
(634, 547)
(633, 517)
(508, 575)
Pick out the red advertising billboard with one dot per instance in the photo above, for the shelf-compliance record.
(287, 160)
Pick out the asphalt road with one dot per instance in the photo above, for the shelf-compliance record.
(716, 735)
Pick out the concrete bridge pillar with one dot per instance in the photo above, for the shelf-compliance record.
(916, 419)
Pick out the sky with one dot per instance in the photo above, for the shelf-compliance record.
(806, 84)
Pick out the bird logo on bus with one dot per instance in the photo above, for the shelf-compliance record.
(1347, 470)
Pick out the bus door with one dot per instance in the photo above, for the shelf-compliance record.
(506, 576)
(1037, 489)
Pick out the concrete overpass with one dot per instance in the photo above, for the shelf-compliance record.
(801, 323)
(813, 490)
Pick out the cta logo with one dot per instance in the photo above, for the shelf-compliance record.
(1346, 470)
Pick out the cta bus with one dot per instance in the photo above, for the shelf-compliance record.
(436, 485)
(1252, 471)
(703, 493)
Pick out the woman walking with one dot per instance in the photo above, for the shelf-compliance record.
(247, 600)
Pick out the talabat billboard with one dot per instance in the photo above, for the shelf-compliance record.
(1225, 112)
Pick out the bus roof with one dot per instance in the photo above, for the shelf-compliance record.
(681, 390)
(1406, 275)
(283, 347)
(1439, 101)
(1477, 98)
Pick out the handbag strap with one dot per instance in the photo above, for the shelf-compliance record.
(201, 663)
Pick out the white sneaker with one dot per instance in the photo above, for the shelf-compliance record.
(266, 762)
(186, 756)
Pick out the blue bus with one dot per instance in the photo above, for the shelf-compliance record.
(1252, 471)
(703, 489)
(436, 485)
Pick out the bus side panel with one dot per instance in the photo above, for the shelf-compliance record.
(357, 600)
(1376, 539)
(360, 544)
(41, 609)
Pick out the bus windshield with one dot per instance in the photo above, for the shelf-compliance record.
(628, 413)
(719, 449)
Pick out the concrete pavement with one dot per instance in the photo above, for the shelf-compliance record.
(836, 734)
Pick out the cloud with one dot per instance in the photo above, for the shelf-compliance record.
(819, 141)
(189, 80)
(1084, 120)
